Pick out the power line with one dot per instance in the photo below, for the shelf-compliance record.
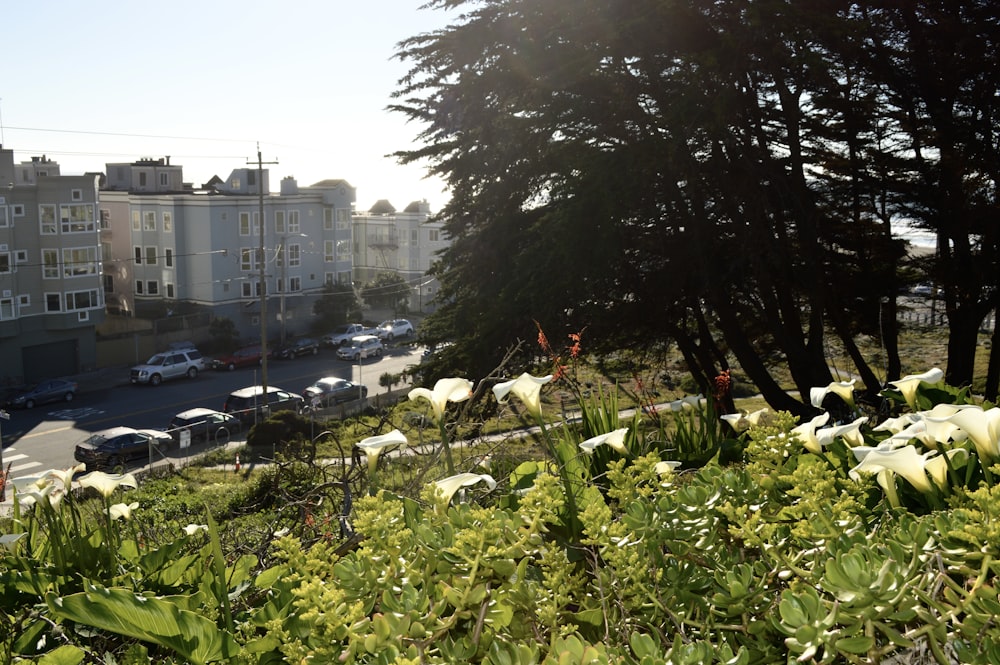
(127, 135)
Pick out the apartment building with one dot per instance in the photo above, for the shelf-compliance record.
(172, 246)
(51, 296)
(404, 242)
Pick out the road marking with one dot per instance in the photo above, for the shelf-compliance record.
(13, 458)
(22, 467)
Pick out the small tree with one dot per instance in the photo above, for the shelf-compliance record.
(388, 291)
(337, 304)
(224, 334)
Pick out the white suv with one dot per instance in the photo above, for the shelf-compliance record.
(388, 330)
(168, 365)
(363, 346)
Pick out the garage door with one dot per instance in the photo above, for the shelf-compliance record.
(48, 360)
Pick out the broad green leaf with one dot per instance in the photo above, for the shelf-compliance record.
(64, 655)
(856, 644)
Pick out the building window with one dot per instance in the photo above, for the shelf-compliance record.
(433, 235)
(137, 252)
(83, 316)
(328, 251)
(168, 288)
(168, 222)
(256, 224)
(279, 221)
(53, 302)
(105, 218)
(248, 258)
(152, 288)
(142, 179)
(50, 264)
(79, 261)
(294, 284)
(164, 180)
(293, 221)
(136, 217)
(77, 218)
(151, 256)
(168, 258)
(149, 220)
(76, 194)
(234, 183)
(251, 178)
(244, 223)
(295, 255)
(3, 216)
(6, 308)
(329, 278)
(343, 218)
(344, 277)
(20, 256)
(4, 262)
(23, 301)
(138, 287)
(327, 219)
(343, 249)
(47, 219)
(88, 299)
(109, 283)
(247, 289)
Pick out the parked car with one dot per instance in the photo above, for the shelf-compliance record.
(246, 357)
(303, 346)
(246, 402)
(389, 330)
(331, 390)
(342, 335)
(171, 364)
(205, 424)
(112, 447)
(50, 390)
(364, 346)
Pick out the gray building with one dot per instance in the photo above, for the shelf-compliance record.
(51, 296)
(176, 249)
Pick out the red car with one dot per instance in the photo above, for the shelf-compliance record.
(245, 357)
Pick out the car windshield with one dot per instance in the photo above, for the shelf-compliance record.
(158, 359)
(96, 439)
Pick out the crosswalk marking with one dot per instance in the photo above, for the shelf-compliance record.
(22, 467)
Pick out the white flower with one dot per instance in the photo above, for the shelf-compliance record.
(687, 403)
(905, 461)
(122, 510)
(445, 390)
(937, 467)
(192, 529)
(615, 439)
(850, 433)
(374, 445)
(895, 425)
(806, 433)
(743, 421)
(908, 384)
(107, 483)
(527, 388)
(982, 428)
(447, 487)
(8, 540)
(843, 389)
(668, 466)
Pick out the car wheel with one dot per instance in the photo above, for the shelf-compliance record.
(315, 350)
(114, 461)
(155, 380)
(29, 404)
(68, 397)
(357, 356)
(389, 337)
(192, 372)
(231, 366)
(378, 353)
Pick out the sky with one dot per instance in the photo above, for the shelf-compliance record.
(206, 83)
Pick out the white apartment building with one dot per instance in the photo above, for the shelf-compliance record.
(172, 247)
(405, 242)
(51, 296)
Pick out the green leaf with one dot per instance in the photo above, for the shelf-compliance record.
(145, 618)
(856, 644)
(64, 655)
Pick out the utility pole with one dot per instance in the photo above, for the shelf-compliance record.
(262, 283)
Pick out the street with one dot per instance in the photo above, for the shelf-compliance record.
(45, 437)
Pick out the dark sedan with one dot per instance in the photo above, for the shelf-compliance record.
(51, 390)
(113, 447)
(332, 390)
(206, 424)
(304, 346)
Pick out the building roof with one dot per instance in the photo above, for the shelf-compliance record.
(382, 207)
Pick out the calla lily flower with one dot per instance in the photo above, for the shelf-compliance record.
(527, 388)
(448, 486)
(374, 445)
(896, 425)
(850, 433)
(445, 390)
(9, 540)
(937, 467)
(904, 461)
(107, 483)
(806, 433)
(688, 402)
(29, 497)
(908, 384)
(615, 439)
(192, 529)
(981, 427)
(668, 466)
(122, 510)
(741, 422)
(65, 477)
(843, 389)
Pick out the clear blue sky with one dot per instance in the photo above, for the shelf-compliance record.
(88, 83)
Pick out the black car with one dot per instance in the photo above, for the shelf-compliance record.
(51, 390)
(332, 390)
(206, 424)
(113, 447)
(304, 346)
(248, 404)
